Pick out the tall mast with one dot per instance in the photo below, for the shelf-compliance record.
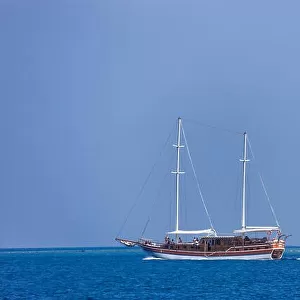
(244, 161)
(178, 172)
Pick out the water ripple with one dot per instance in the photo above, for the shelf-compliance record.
(119, 273)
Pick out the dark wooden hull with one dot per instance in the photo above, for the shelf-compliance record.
(255, 254)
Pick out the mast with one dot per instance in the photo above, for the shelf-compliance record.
(177, 173)
(244, 161)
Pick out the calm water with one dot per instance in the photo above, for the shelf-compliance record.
(122, 273)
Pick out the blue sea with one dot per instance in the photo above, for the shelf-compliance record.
(127, 273)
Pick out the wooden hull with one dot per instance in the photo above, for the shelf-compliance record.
(261, 254)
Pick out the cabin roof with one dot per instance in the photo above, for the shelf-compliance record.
(219, 237)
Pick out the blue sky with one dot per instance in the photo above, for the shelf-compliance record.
(91, 89)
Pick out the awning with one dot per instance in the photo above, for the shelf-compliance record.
(194, 232)
(257, 229)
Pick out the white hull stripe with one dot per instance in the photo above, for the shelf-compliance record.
(187, 257)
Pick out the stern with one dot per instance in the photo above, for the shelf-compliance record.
(278, 249)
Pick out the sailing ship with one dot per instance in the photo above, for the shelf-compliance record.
(209, 245)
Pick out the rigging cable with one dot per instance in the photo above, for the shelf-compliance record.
(146, 225)
(198, 185)
(214, 127)
(156, 198)
(264, 187)
(144, 184)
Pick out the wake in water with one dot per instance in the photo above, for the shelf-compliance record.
(291, 258)
(152, 258)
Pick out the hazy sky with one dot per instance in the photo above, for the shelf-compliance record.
(90, 91)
